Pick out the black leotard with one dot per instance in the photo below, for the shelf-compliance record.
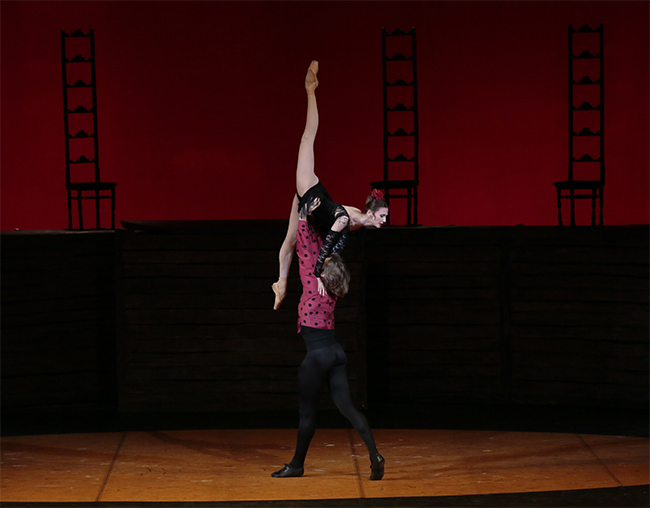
(323, 219)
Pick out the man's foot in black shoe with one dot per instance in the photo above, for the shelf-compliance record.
(288, 472)
(377, 467)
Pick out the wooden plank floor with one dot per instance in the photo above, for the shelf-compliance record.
(235, 465)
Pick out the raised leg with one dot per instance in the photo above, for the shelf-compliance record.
(305, 174)
(305, 179)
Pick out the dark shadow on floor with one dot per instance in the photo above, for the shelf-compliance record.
(630, 497)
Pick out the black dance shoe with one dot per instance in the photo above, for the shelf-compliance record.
(377, 467)
(291, 472)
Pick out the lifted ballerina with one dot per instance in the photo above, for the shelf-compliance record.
(333, 221)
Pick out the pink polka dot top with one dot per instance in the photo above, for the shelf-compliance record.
(314, 310)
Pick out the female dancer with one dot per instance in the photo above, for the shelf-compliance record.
(333, 221)
(325, 361)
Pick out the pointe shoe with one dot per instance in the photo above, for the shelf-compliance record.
(288, 472)
(377, 466)
(280, 290)
(311, 81)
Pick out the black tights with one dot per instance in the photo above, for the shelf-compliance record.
(320, 366)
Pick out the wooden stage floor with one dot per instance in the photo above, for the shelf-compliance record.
(226, 467)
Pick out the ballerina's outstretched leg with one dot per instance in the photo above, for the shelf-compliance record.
(305, 179)
(305, 173)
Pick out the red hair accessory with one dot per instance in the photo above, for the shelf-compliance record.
(377, 194)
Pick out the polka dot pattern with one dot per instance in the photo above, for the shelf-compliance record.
(314, 310)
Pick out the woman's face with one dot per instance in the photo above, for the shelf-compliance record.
(380, 216)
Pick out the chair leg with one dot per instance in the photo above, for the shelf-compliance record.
(573, 208)
(593, 207)
(97, 218)
(112, 208)
(69, 193)
(559, 207)
(415, 206)
(408, 207)
(600, 218)
(80, 207)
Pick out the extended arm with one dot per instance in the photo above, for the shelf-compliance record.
(334, 242)
(331, 242)
(289, 244)
(286, 255)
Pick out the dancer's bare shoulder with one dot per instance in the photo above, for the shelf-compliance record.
(356, 217)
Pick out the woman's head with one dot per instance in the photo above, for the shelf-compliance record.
(377, 207)
(335, 276)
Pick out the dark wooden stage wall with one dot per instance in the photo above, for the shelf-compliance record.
(197, 328)
(180, 318)
(58, 318)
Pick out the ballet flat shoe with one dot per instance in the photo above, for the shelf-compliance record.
(377, 467)
(288, 472)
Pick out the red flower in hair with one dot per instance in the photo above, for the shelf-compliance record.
(377, 194)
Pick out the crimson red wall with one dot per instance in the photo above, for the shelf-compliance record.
(201, 106)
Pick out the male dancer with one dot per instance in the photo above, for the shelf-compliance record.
(325, 361)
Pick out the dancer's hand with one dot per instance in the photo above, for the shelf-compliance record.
(321, 288)
(314, 204)
(302, 215)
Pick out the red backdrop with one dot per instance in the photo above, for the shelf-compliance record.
(201, 106)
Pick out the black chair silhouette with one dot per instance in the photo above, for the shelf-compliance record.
(403, 82)
(89, 188)
(572, 188)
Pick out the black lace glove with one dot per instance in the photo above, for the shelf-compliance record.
(329, 243)
(343, 240)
